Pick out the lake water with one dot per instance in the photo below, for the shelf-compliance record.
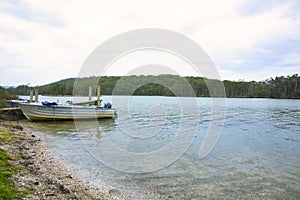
(257, 155)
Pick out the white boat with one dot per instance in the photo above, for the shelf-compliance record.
(53, 111)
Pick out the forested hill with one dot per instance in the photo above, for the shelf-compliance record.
(278, 87)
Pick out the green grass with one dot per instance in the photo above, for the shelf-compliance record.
(7, 168)
(6, 137)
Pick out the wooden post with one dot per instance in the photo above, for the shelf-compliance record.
(31, 96)
(98, 96)
(90, 93)
(36, 95)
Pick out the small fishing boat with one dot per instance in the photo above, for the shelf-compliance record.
(53, 111)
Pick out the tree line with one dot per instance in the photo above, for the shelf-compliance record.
(170, 85)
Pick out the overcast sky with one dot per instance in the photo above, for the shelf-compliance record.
(46, 41)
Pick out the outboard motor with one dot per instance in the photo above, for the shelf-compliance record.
(107, 105)
(46, 103)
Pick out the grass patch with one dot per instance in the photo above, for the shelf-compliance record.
(7, 137)
(7, 168)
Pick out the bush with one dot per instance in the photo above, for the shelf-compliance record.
(4, 95)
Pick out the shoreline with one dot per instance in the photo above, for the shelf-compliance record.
(45, 177)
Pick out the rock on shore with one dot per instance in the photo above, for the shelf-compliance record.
(45, 177)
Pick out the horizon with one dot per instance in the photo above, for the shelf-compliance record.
(246, 40)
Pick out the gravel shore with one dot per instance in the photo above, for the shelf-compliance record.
(46, 178)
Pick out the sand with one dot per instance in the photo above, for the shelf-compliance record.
(46, 178)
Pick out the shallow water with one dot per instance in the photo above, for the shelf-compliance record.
(256, 156)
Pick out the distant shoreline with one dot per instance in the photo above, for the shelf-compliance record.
(51, 95)
(283, 87)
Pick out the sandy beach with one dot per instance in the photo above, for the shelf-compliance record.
(46, 178)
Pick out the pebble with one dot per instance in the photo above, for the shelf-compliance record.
(113, 191)
(42, 176)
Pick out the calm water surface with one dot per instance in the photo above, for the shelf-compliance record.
(256, 156)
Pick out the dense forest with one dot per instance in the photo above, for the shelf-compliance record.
(165, 85)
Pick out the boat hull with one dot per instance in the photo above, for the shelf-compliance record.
(37, 112)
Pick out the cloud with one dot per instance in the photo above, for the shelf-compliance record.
(249, 46)
(24, 11)
(41, 42)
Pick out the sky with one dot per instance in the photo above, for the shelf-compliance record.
(46, 41)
